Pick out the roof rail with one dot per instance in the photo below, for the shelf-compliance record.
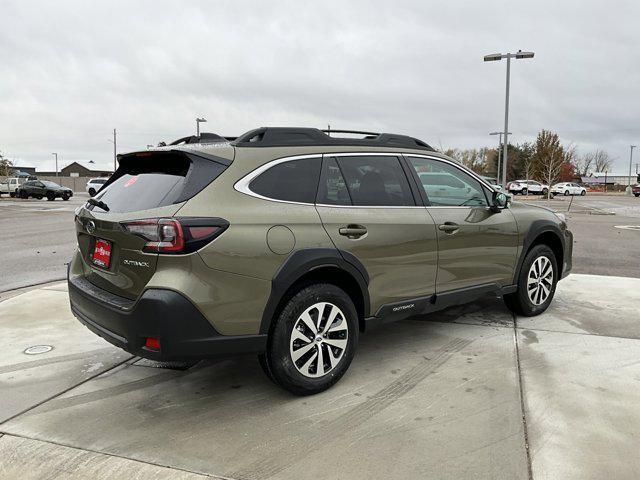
(293, 136)
(358, 132)
(203, 138)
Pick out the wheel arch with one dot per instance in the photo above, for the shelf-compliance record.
(317, 265)
(543, 232)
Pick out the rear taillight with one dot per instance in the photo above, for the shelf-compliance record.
(172, 235)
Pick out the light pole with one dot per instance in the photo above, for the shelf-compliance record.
(499, 146)
(198, 122)
(508, 56)
(56, 155)
(629, 192)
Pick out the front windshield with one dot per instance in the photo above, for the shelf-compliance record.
(50, 184)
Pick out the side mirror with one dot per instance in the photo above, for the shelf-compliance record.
(499, 201)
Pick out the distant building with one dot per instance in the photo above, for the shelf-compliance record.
(600, 178)
(80, 169)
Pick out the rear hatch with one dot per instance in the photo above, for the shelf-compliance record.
(146, 186)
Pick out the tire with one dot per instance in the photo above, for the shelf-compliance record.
(92, 191)
(524, 191)
(520, 302)
(24, 195)
(51, 197)
(584, 192)
(65, 197)
(12, 194)
(545, 191)
(39, 197)
(566, 193)
(637, 194)
(303, 376)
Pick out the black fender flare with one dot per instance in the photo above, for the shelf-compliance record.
(304, 261)
(537, 228)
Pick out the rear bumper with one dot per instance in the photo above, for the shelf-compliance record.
(183, 332)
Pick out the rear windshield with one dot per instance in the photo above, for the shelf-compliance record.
(152, 180)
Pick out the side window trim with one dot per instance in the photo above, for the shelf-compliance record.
(410, 173)
(415, 180)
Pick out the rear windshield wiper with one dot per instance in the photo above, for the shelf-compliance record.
(98, 203)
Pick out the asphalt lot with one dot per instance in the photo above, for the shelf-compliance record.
(38, 237)
(468, 393)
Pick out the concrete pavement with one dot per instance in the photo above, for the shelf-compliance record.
(440, 396)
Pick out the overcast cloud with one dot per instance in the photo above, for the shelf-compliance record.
(73, 71)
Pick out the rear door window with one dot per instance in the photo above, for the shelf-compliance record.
(289, 181)
(375, 180)
(147, 181)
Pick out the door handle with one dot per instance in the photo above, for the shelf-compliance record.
(449, 227)
(353, 231)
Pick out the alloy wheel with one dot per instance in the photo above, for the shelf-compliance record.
(540, 280)
(319, 339)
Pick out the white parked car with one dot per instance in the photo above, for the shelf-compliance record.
(526, 187)
(568, 188)
(494, 183)
(95, 184)
(11, 185)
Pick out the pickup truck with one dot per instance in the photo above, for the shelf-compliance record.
(11, 185)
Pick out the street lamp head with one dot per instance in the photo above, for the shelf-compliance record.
(521, 54)
(493, 57)
(201, 120)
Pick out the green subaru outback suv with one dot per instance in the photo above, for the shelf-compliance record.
(290, 242)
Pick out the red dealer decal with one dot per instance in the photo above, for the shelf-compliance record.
(102, 253)
(131, 181)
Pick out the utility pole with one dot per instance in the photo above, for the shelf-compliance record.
(629, 192)
(498, 151)
(505, 158)
(498, 56)
(115, 150)
(56, 155)
(198, 122)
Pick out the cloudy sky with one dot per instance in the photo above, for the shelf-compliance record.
(72, 71)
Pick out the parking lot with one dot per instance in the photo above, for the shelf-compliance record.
(38, 237)
(470, 392)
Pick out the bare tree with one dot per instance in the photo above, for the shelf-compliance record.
(6, 166)
(602, 161)
(473, 158)
(549, 156)
(582, 163)
(570, 154)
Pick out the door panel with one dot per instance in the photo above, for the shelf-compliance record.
(373, 216)
(475, 246)
(399, 249)
(482, 250)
